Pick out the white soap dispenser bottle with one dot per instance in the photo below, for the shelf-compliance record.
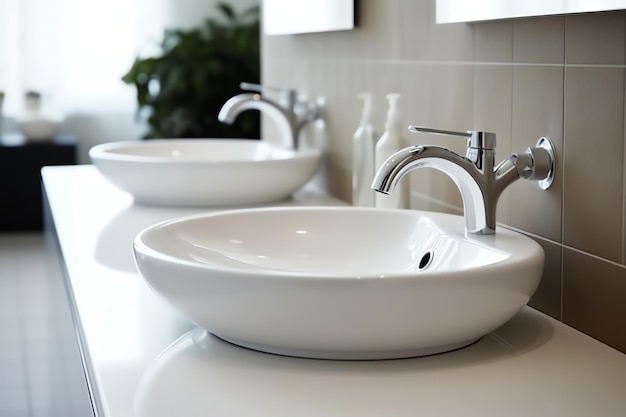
(363, 157)
(389, 143)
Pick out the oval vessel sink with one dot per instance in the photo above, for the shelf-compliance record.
(339, 282)
(204, 172)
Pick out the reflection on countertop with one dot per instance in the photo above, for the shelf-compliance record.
(179, 379)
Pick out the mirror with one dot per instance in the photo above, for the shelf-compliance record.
(282, 17)
(452, 11)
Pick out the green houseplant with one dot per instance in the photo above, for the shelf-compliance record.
(182, 90)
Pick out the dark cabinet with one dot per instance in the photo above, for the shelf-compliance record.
(20, 178)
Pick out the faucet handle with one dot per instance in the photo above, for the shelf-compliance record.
(260, 88)
(287, 96)
(475, 139)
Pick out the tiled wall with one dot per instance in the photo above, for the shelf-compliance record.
(561, 77)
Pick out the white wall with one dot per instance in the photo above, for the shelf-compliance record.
(75, 52)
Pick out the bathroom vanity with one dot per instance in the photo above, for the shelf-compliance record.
(140, 357)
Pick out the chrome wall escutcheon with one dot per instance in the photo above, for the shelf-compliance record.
(546, 143)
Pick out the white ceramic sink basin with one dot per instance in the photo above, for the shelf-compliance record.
(339, 282)
(204, 172)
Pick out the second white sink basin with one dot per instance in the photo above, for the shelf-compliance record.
(340, 282)
(205, 172)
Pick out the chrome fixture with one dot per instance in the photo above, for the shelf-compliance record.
(479, 182)
(289, 113)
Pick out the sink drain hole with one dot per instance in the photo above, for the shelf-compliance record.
(426, 260)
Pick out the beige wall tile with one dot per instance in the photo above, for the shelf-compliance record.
(492, 104)
(596, 38)
(537, 104)
(452, 42)
(416, 36)
(593, 297)
(338, 179)
(410, 28)
(493, 41)
(593, 168)
(539, 40)
(547, 298)
(450, 97)
(537, 112)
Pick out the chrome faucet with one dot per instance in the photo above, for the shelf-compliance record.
(474, 174)
(290, 114)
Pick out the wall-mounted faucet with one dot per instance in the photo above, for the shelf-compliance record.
(478, 180)
(290, 114)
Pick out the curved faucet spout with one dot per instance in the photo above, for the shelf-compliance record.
(247, 101)
(479, 216)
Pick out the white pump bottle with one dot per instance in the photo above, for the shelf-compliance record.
(391, 142)
(363, 157)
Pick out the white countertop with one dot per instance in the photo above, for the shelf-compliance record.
(146, 359)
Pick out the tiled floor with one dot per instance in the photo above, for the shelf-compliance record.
(40, 371)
